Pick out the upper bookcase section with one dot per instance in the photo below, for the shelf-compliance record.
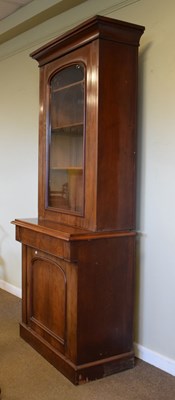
(88, 126)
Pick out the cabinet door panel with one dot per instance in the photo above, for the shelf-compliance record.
(47, 300)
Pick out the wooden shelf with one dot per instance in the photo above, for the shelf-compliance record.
(68, 86)
(67, 168)
(73, 129)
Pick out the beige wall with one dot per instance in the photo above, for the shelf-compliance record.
(18, 155)
(156, 169)
(155, 308)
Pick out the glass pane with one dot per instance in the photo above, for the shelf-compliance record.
(67, 106)
(66, 140)
(67, 76)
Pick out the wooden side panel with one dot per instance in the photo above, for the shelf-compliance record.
(105, 298)
(117, 136)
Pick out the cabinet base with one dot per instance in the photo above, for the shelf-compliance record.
(77, 374)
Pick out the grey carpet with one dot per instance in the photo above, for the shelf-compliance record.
(25, 375)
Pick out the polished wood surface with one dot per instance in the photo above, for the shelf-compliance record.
(78, 262)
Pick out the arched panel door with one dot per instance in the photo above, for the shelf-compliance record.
(48, 296)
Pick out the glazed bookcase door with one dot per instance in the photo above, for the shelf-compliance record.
(66, 139)
(68, 130)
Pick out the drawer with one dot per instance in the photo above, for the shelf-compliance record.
(58, 247)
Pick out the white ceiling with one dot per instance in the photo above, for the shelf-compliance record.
(18, 16)
(8, 7)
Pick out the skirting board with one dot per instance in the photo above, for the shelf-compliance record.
(151, 357)
(10, 288)
(157, 360)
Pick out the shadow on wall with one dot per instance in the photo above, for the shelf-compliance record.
(2, 262)
(141, 184)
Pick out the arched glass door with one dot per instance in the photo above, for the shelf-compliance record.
(66, 140)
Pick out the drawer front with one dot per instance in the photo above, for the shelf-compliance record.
(41, 241)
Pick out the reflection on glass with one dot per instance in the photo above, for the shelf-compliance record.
(66, 163)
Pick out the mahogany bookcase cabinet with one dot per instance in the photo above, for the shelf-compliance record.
(78, 256)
